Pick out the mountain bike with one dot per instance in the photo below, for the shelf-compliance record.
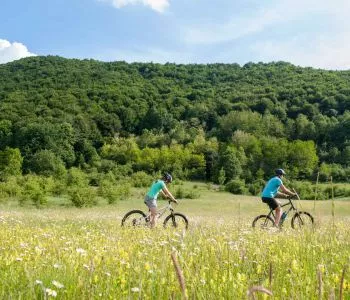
(300, 219)
(137, 218)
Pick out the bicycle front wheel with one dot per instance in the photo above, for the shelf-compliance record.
(134, 218)
(302, 219)
(263, 222)
(176, 220)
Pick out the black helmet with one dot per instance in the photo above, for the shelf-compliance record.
(167, 177)
(280, 172)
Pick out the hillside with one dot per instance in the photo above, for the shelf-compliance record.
(257, 116)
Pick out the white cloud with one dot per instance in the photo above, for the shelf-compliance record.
(12, 51)
(324, 45)
(157, 5)
(322, 52)
(264, 17)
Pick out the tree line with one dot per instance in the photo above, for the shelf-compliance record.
(215, 122)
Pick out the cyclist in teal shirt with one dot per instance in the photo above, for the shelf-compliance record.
(271, 190)
(159, 186)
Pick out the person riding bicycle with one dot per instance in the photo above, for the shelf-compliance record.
(159, 186)
(271, 190)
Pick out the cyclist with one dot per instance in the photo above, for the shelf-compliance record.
(159, 186)
(271, 190)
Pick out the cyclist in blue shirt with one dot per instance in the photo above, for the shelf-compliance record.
(271, 190)
(159, 186)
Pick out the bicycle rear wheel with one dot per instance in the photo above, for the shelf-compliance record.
(302, 219)
(176, 220)
(263, 222)
(134, 218)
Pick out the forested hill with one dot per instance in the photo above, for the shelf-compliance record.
(240, 120)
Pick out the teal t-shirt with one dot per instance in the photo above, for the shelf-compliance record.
(156, 187)
(271, 188)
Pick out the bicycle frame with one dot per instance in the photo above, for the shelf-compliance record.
(161, 211)
(292, 207)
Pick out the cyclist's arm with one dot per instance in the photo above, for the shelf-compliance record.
(285, 190)
(166, 192)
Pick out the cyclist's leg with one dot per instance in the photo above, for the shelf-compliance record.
(153, 218)
(152, 206)
(279, 212)
(276, 206)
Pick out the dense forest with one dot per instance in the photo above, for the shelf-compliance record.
(223, 123)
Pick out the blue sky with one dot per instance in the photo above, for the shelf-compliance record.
(303, 32)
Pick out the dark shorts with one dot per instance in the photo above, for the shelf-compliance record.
(150, 202)
(271, 202)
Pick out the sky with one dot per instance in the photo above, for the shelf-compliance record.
(308, 33)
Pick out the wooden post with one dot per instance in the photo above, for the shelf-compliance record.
(333, 205)
(316, 190)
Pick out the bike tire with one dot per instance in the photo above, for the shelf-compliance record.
(263, 222)
(134, 218)
(176, 220)
(302, 219)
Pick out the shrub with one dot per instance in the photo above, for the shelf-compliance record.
(141, 179)
(82, 196)
(182, 193)
(114, 192)
(34, 190)
(236, 186)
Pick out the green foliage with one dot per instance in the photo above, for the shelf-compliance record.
(35, 189)
(10, 163)
(82, 196)
(141, 179)
(45, 162)
(114, 191)
(182, 193)
(11, 188)
(236, 186)
(77, 178)
(186, 119)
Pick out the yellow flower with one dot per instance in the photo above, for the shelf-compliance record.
(295, 265)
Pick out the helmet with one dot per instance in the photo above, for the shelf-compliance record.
(167, 177)
(280, 172)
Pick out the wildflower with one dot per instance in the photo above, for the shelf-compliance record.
(57, 284)
(51, 293)
(294, 265)
(108, 274)
(38, 282)
(57, 266)
(81, 251)
(135, 289)
(19, 259)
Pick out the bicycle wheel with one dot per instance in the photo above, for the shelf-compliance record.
(176, 220)
(302, 219)
(263, 222)
(134, 218)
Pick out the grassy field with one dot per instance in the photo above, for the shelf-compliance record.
(70, 253)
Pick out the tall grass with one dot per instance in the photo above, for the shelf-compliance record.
(85, 254)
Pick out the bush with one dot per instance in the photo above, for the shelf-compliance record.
(114, 192)
(181, 193)
(83, 196)
(10, 188)
(141, 179)
(45, 162)
(77, 178)
(237, 187)
(34, 189)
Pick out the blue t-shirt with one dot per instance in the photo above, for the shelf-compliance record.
(156, 187)
(271, 188)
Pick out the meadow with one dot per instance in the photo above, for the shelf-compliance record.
(69, 253)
